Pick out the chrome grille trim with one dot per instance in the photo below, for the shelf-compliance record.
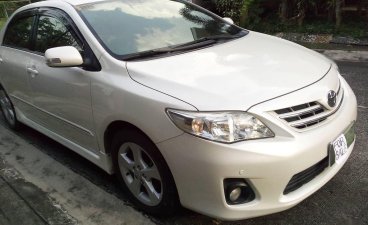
(309, 114)
(301, 112)
(319, 117)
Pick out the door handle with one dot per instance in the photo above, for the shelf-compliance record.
(33, 72)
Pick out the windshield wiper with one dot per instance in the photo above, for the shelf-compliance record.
(201, 42)
(167, 50)
(212, 39)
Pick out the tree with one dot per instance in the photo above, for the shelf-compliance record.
(230, 9)
(243, 12)
(338, 4)
(284, 11)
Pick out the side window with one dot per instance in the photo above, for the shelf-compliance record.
(18, 33)
(52, 32)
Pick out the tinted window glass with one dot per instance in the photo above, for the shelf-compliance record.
(18, 33)
(52, 32)
(131, 26)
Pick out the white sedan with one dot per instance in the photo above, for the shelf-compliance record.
(183, 106)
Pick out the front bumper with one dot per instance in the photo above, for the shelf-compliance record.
(200, 166)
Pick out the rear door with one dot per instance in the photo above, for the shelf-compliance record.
(14, 54)
(61, 96)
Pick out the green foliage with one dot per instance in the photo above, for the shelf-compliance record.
(8, 7)
(352, 26)
(301, 16)
(243, 12)
(230, 9)
(2, 21)
(303, 4)
(251, 13)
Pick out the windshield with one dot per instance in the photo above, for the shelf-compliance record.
(126, 27)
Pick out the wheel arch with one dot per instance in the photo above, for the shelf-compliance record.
(114, 127)
(119, 125)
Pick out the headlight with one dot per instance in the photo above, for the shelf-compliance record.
(225, 127)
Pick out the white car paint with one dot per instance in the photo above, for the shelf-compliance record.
(257, 73)
(237, 72)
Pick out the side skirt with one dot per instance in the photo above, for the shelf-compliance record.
(101, 160)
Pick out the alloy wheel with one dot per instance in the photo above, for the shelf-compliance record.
(7, 108)
(140, 174)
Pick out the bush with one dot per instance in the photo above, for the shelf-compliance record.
(2, 21)
(8, 7)
(230, 9)
(243, 12)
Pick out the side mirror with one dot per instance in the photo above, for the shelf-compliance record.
(229, 20)
(66, 56)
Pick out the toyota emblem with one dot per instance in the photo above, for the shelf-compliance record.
(331, 97)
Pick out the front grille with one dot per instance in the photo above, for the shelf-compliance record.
(305, 176)
(305, 113)
(308, 114)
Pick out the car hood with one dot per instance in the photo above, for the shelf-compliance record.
(235, 75)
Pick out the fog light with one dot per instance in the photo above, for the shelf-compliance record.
(235, 194)
(238, 191)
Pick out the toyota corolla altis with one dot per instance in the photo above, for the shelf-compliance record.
(183, 106)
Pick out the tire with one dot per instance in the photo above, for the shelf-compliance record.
(8, 110)
(144, 174)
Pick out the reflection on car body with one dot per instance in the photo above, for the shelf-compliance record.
(183, 106)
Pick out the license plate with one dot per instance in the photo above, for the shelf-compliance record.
(340, 148)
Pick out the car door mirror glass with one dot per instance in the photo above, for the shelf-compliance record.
(67, 56)
(229, 20)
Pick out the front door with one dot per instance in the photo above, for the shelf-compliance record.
(61, 96)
